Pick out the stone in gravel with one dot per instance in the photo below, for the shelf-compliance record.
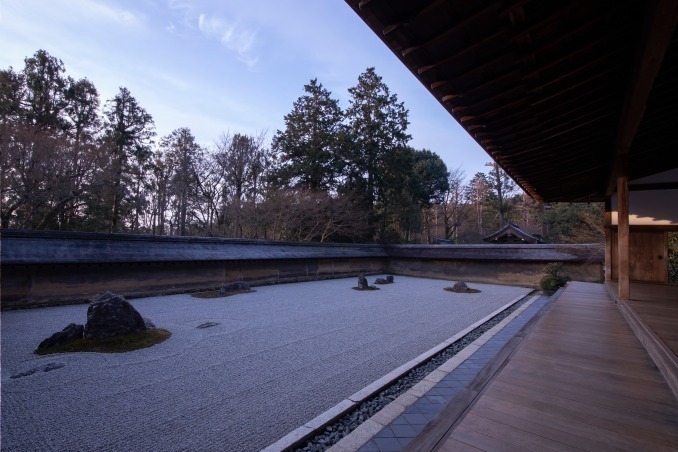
(71, 333)
(207, 324)
(44, 368)
(111, 315)
(237, 286)
(362, 283)
(149, 323)
(461, 287)
(387, 280)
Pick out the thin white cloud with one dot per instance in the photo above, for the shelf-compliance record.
(110, 13)
(232, 35)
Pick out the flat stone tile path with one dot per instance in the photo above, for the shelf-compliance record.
(452, 386)
(276, 359)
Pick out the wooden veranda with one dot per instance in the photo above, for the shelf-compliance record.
(579, 380)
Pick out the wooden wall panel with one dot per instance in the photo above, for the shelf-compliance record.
(648, 256)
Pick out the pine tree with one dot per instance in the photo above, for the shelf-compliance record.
(377, 125)
(129, 131)
(309, 149)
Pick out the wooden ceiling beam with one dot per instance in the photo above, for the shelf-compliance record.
(388, 29)
(463, 51)
(454, 28)
(569, 56)
(569, 88)
(568, 74)
(472, 91)
(512, 124)
(536, 140)
(659, 30)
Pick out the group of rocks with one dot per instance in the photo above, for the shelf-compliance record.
(108, 315)
(458, 287)
(364, 285)
(111, 315)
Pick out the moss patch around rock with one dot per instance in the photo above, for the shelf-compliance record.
(216, 294)
(450, 289)
(121, 344)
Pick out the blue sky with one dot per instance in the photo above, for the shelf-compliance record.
(225, 66)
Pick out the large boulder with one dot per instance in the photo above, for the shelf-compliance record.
(110, 315)
(69, 334)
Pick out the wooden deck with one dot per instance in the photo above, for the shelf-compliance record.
(580, 380)
(657, 306)
(652, 314)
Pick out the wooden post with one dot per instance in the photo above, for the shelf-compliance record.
(623, 235)
(608, 240)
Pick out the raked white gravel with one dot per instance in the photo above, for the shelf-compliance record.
(278, 358)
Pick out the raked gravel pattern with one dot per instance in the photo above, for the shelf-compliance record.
(277, 358)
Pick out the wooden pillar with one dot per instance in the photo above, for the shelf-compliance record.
(608, 240)
(623, 235)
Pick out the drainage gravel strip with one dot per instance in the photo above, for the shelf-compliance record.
(328, 435)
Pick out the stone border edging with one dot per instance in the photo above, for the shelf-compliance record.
(385, 416)
(324, 419)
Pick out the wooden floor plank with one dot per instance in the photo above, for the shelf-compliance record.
(543, 422)
(526, 440)
(569, 426)
(452, 445)
(595, 414)
(483, 441)
(580, 380)
(660, 412)
(592, 366)
(657, 306)
(605, 382)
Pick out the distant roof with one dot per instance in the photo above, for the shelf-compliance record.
(511, 233)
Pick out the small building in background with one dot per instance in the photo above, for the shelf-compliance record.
(510, 233)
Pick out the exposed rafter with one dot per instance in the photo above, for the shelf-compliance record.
(554, 91)
(660, 28)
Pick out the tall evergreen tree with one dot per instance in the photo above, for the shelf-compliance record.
(12, 93)
(183, 156)
(82, 109)
(308, 150)
(377, 125)
(45, 90)
(129, 131)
